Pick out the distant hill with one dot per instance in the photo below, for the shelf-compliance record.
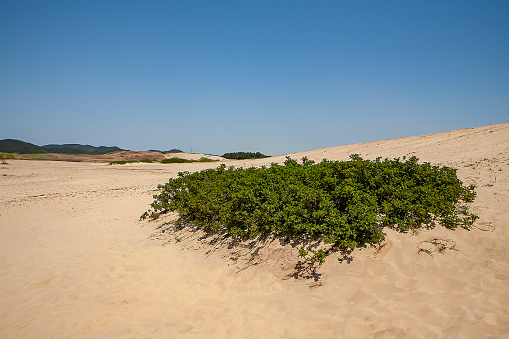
(18, 146)
(244, 155)
(21, 147)
(81, 149)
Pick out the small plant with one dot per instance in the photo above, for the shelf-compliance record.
(426, 250)
(4, 156)
(439, 246)
(316, 256)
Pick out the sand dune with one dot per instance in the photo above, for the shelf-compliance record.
(76, 262)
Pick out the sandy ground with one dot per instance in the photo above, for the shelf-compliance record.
(76, 262)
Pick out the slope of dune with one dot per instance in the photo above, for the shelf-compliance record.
(76, 262)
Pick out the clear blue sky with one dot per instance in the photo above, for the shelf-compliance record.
(275, 76)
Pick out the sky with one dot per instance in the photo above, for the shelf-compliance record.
(269, 76)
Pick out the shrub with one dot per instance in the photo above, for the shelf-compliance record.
(4, 156)
(346, 204)
(203, 159)
(175, 160)
(180, 160)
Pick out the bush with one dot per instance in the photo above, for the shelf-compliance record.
(4, 156)
(180, 160)
(346, 204)
(175, 160)
(203, 159)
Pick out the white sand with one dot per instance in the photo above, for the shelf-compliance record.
(75, 261)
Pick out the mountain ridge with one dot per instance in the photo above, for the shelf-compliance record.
(23, 147)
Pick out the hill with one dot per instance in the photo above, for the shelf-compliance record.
(81, 149)
(18, 146)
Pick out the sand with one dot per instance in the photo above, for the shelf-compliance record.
(76, 262)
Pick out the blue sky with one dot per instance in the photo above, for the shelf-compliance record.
(276, 77)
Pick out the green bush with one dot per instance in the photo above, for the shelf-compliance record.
(180, 160)
(346, 204)
(4, 156)
(203, 159)
(175, 160)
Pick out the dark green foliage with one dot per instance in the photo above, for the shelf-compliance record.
(21, 147)
(244, 155)
(80, 149)
(342, 203)
(176, 160)
(173, 150)
(203, 159)
(180, 160)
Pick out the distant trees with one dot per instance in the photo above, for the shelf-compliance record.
(173, 150)
(244, 155)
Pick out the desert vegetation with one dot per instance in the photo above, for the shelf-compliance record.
(4, 156)
(344, 204)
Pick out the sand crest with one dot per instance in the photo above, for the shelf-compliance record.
(76, 262)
